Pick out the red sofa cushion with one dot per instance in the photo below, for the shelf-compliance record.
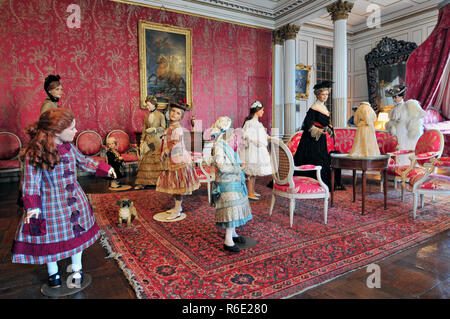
(8, 164)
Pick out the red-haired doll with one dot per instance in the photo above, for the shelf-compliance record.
(59, 221)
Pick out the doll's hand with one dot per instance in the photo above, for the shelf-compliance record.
(243, 166)
(34, 213)
(151, 130)
(112, 173)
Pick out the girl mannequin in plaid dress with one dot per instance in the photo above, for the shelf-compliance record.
(59, 221)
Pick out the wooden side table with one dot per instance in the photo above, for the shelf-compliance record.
(378, 163)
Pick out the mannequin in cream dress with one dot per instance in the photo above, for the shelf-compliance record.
(365, 143)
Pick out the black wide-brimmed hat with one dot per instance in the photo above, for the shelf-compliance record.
(323, 85)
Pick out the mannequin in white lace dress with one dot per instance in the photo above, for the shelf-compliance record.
(254, 152)
(405, 121)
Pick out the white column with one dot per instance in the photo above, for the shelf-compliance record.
(290, 33)
(278, 109)
(339, 13)
(339, 112)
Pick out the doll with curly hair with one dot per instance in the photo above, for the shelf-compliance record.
(58, 220)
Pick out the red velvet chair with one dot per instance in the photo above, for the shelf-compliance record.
(429, 146)
(90, 144)
(286, 185)
(10, 146)
(430, 184)
(128, 151)
(206, 173)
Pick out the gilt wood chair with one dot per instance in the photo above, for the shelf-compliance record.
(286, 185)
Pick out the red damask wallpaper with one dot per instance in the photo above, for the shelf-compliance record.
(99, 67)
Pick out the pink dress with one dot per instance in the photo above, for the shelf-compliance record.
(178, 175)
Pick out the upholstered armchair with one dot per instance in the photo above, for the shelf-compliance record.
(90, 144)
(286, 185)
(430, 184)
(10, 147)
(429, 146)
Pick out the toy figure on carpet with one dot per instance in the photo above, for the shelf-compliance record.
(149, 166)
(178, 176)
(254, 152)
(229, 192)
(59, 221)
(116, 161)
(365, 143)
(405, 121)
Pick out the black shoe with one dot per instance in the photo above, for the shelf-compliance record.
(239, 240)
(233, 249)
(53, 282)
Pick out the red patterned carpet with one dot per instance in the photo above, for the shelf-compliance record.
(186, 260)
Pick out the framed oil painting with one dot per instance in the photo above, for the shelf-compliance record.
(165, 63)
(302, 77)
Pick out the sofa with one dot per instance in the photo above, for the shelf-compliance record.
(344, 138)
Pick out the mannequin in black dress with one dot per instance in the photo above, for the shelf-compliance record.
(312, 148)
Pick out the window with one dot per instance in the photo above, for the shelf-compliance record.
(324, 68)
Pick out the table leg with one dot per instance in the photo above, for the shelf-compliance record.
(332, 187)
(354, 186)
(385, 186)
(363, 190)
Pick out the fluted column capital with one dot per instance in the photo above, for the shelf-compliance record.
(340, 10)
(277, 36)
(289, 31)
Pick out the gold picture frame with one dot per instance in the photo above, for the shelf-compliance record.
(165, 63)
(302, 79)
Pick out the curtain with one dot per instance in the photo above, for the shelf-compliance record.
(426, 64)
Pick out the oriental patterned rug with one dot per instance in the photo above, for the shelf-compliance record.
(186, 259)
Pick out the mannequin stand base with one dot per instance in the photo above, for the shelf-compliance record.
(249, 243)
(64, 290)
(161, 217)
(120, 188)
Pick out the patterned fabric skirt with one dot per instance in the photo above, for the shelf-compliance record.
(149, 169)
(232, 210)
(181, 181)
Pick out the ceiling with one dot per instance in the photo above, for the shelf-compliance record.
(272, 14)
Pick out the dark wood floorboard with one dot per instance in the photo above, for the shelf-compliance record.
(419, 272)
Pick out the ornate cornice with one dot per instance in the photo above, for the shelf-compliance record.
(289, 31)
(340, 10)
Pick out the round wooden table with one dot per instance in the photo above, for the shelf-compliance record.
(373, 163)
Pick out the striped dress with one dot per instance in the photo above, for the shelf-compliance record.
(69, 221)
(178, 175)
(229, 192)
